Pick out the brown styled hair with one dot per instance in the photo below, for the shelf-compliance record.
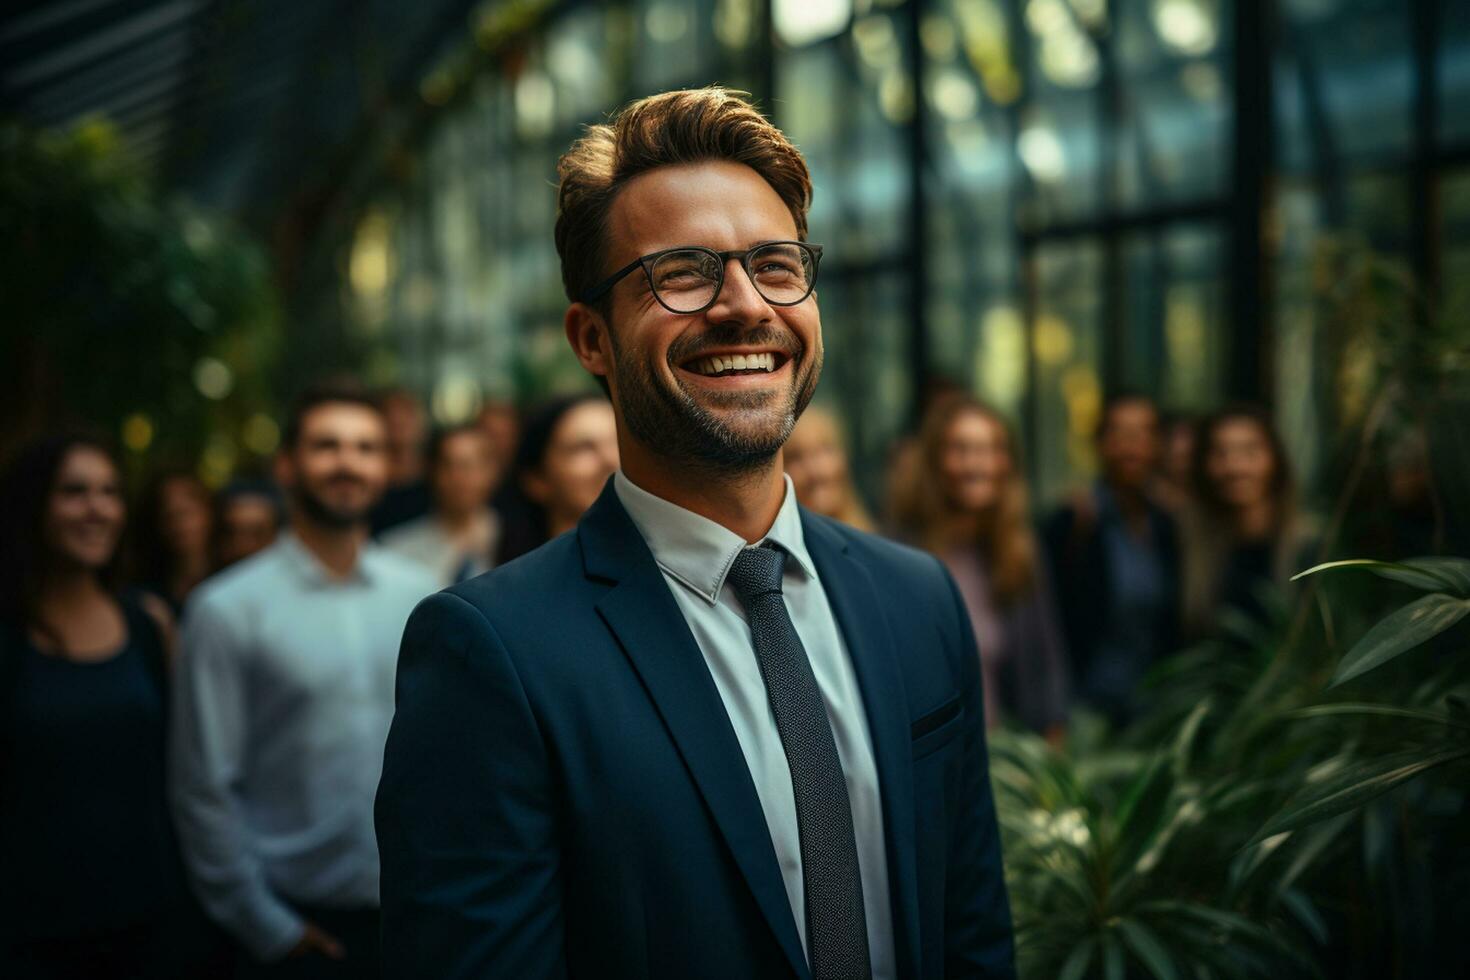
(922, 509)
(687, 126)
(334, 391)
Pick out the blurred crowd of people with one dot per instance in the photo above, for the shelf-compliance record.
(196, 687)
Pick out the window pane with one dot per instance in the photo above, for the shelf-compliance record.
(1454, 70)
(857, 153)
(1353, 70)
(1174, 126)
(1066, 343)
(865, 330)
(1174, 343)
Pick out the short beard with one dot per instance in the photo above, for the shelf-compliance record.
(319, 512)
(675, 425)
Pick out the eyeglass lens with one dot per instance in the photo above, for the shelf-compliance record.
(687, 280)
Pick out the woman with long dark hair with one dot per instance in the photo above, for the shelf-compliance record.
(92, 884)
(963, 498)
(567, 451)
(1243, 532)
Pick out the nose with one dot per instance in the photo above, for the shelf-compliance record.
(738, 301)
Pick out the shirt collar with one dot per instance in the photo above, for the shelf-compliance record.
(695, 550)
(310, 569)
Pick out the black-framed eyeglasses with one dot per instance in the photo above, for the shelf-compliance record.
(688, 279)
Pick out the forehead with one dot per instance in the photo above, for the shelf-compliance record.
(85, 463)
(974, 424)
(587, 419)
(465, 442)
(718, 203)
(338, 420)
(1134, 411)
(1239, 431)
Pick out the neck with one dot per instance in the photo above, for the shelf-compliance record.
(1254, 521)
(964, 527)
(69, 586)
(559, 523)
(190, 569)
(457, 522)
(746, 503)
(336, 548)
(1130, 498)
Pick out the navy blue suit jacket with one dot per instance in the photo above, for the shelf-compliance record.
(563, 793)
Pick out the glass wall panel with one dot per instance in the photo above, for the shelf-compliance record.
(865, 328)
(977, 334)
(1174, 115)
(1062, 137)
(1356, 74)
(1067, 350)
(1455, 236)
(1454, 70)
(1174, 340)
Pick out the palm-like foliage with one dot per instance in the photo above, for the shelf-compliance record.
(1221, 836)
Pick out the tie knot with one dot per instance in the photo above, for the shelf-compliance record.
(757, 571)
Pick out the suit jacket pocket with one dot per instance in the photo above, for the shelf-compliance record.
(937, 728)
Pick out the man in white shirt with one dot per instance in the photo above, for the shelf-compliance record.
(282, 704)
(707, 733)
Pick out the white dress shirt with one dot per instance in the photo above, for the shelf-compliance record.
(282, 700)
(694, 554)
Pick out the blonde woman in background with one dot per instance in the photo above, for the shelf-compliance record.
(964, 500)
(816, 461)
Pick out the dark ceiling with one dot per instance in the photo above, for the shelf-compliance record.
(244, 104)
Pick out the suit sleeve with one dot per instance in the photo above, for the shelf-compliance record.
(977, 927)
(465, 813)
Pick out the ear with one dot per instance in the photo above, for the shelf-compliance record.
(587, 332)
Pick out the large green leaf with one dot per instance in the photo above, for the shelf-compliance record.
(1425, 574)
(1420, 620)
(1075, 968)
(1146, 946)
(1380, 710)
(1306, 913)
(1112, 957)
(1354, 786)
(1455, 570)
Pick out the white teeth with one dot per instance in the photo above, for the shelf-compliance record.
(735, 362)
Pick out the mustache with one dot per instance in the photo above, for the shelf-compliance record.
(686, 349)
(342, 477)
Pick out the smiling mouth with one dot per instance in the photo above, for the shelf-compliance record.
(735, 365)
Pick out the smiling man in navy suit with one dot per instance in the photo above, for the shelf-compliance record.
(707, 733)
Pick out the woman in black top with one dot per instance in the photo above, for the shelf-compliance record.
(92, 885)
(1243, 535)
(567, 452)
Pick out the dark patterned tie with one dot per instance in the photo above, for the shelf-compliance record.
(836, 929)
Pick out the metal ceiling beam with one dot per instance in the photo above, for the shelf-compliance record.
(116, 75)
(96, 46)
(121, 97)
(48, 17)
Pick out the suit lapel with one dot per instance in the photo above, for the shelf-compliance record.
(858, 606)
(650, 628)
